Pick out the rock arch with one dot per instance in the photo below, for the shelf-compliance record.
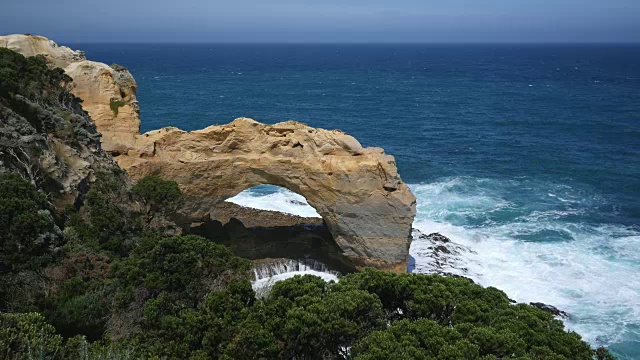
(358, 191)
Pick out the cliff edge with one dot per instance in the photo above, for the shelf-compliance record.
(357, 191)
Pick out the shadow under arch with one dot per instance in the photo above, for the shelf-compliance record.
(268, 223)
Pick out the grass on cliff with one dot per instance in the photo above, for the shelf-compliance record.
(115, 105)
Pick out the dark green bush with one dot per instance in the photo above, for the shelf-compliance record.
(28, 336)
(159, 196)
(29, 235)
(32, 78)
(109, 219)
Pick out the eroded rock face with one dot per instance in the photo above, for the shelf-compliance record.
(261, 235)
(109, 93)
(356, 190)
(109, 96)
(31, 45)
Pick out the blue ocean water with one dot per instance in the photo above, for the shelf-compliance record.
(529, 156)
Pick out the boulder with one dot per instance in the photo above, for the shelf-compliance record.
(550, 309)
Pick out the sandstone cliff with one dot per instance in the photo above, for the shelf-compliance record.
(108, 93)
(357, 191)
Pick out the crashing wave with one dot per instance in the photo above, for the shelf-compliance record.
(268, 272)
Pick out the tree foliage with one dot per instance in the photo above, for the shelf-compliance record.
(28, 336)
(159, 196)
(29, 235)
(30, 77)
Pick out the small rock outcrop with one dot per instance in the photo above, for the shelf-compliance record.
(550, 309)
(437, 254)
(356, 190)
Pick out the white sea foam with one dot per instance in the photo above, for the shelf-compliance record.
(277, 199)
(537, 247)
(589, 271)
(263, 285)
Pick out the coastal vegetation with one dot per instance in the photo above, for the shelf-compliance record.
(115, 105)
(110, 277)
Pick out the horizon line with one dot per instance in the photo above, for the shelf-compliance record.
(348, 43)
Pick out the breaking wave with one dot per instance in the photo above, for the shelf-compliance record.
(537, 241)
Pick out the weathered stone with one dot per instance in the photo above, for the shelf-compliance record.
(99, 85)
(369, 222)
(357, 191)
(31, 45)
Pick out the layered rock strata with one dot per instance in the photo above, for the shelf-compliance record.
(357, 191)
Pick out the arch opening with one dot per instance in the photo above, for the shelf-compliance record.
(275, 198)
(278, 230)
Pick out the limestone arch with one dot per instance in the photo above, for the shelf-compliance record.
(356, 190)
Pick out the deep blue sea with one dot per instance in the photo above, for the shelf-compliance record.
(528, 156)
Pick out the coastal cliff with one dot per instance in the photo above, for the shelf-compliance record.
(357, 191)
(108, 92)
(106, 278)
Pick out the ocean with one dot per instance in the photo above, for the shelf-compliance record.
(528, 156)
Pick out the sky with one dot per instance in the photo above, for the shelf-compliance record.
(326, 21)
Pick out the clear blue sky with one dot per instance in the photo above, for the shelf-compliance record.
(371, 21)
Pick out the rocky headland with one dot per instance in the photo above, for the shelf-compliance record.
(93, 265)
(365, 206)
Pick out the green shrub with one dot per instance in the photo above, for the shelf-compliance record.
(159, 197)
(157, 194)
(109, 220)
(29, 236)
(115, 105)
(28, 336)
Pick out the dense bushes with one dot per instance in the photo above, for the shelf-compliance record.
(29, 235)
(120, 292)
(28, 336)
(109, 220)
(32, 78)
